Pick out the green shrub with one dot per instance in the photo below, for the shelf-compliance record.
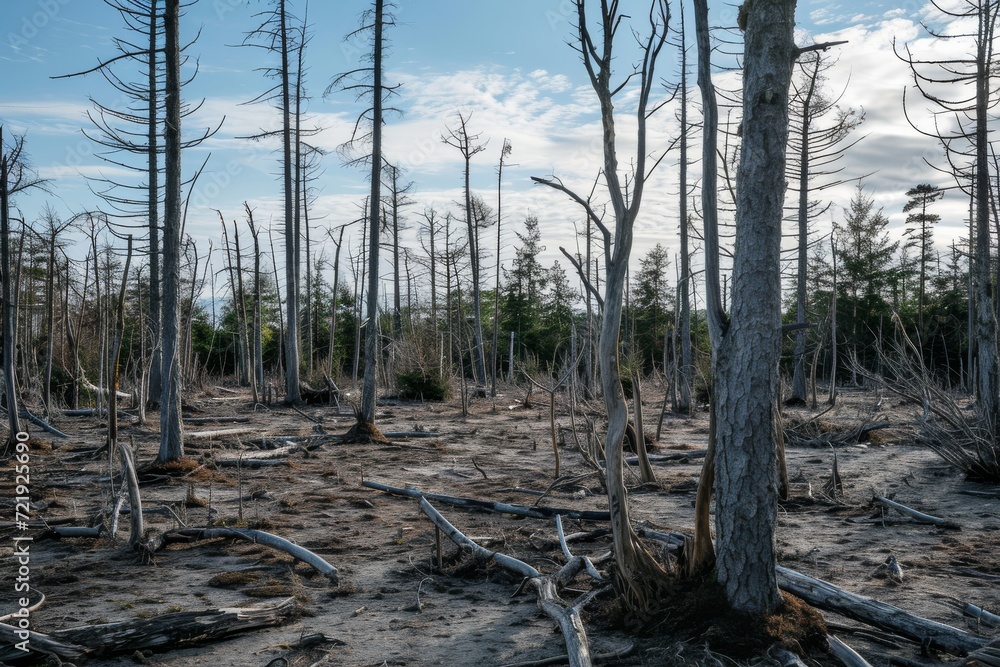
(420, 385)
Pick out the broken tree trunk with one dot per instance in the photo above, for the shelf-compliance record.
(166, 631)
(826, 596)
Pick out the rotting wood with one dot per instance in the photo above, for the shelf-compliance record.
(260, 537)
(176, 629)
(568, 617)
(38, 645)
(845, 653)
(919, 517)
(518, 510)
(826, 596)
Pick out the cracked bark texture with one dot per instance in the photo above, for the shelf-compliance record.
(747, 382)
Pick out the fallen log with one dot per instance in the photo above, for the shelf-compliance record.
(824, 595)
(219, 433)
(673, 456)
(166, 631)
(919, 517)
(45, 425)
(36, 646)
(216, 420)
(568, 618)
(518, 510)
(981, 615)
(259, 537)
(246, 457)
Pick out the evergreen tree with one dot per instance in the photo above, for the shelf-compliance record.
(652, 299)
(868, 274)
(920, 236)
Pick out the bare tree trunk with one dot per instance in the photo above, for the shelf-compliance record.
(686, 374)
(747, 382)
(9, 313)
(115, 355)
(292, 392)
(374, 227)
(258, 344)
(152, 151)
(171, 429)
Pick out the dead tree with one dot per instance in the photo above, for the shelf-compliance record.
(638, 572)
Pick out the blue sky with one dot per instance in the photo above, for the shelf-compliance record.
(507, 63)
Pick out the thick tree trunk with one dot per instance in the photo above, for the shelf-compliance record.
(747, 383)
(171, 427)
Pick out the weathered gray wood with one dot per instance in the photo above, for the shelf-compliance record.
(981, 615)
(826, 596)
(508, 563)
(518, 510)
(38, 645)
(845, 653)
(261, 537)
(173, 630)
(568, 617)
(45, 425)
(220, 433)
(919, 517)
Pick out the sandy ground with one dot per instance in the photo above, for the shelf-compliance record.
(383, 545)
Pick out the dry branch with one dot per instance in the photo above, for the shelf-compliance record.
(919, 517)
(568, 617)
(260, 537)
(471, 503)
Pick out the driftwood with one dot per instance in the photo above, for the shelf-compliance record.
(166, 631)
(918, 517)
(826, 596)
(568, 617)
(518, 510)
(845, 653)
(259, 537)
(410, 434)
